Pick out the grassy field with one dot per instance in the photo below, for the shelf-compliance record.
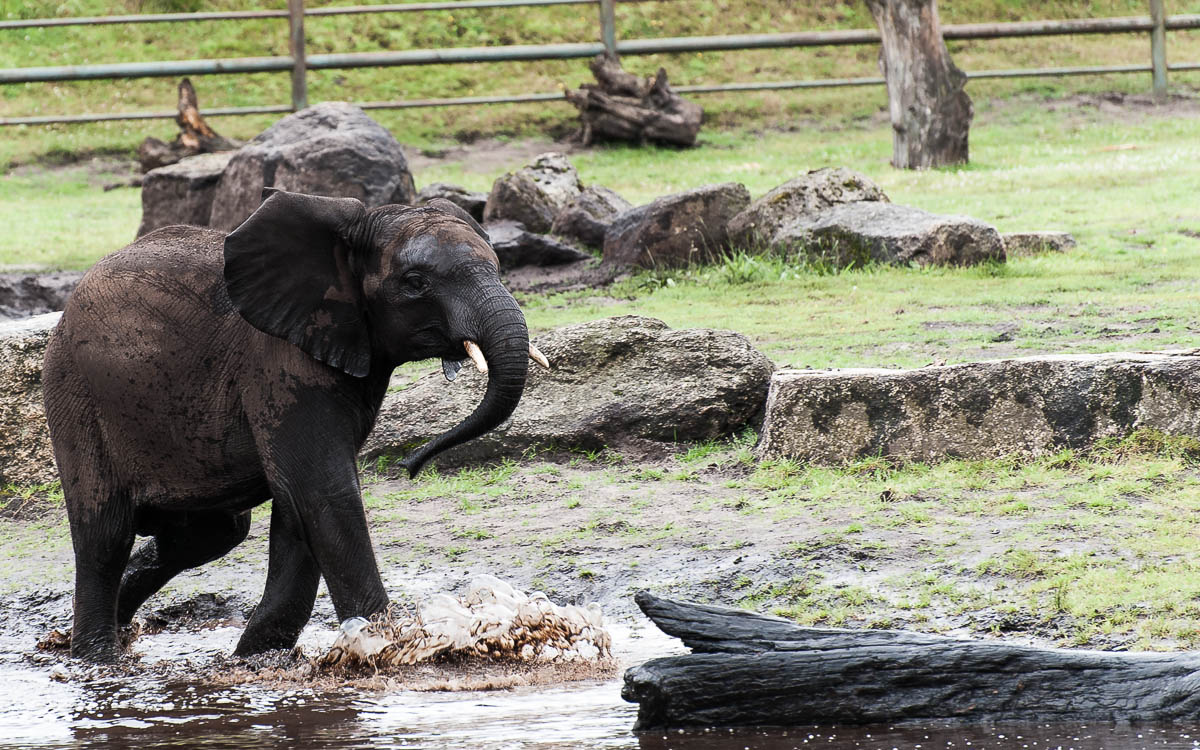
(1122, 182)
(664, 18)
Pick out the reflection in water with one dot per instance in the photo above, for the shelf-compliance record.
(153, 712)
(943, 737)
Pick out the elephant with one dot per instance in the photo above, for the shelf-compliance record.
(195, 375)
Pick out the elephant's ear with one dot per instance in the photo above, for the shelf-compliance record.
(289, 274)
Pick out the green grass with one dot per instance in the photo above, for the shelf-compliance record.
(423, 127)
(1105, 547)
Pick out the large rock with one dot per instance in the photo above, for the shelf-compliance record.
(330, 149)
(618, 382)
(516, 247)
(26, 457)
(468, 200)
(23, 295)
(757, 227)
(676, 230)
(854, 234)
(1031, 406)
(182, 193)
(589, 215)
(1035, 243)
(534, 194)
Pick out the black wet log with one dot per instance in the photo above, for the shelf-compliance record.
(623, 106)
(748, 669)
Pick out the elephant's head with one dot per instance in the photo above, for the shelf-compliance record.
(364, 291)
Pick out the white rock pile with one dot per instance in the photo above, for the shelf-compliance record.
(493, 621)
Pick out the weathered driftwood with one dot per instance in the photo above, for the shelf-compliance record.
(195, 135)
(748, 669)
(627, 107)
(930, 110)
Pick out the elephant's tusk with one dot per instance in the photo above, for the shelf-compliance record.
(476, 355)
(538, 357)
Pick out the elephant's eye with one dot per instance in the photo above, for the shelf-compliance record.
(414, 283)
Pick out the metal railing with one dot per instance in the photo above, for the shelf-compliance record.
(299, 63)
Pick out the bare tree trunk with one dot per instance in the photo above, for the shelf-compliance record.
(930, 110)
(195, 135)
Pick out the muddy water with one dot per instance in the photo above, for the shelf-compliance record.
(52, 703)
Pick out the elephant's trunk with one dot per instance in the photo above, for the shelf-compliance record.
(504, 339)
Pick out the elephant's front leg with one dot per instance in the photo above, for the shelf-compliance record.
(318, 528)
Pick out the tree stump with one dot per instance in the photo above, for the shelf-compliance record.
(930, 110)
(748, 669)
(195, 135)
(626, 107)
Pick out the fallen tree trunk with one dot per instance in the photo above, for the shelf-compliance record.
(195, 135)
(748, 669)
(626, 107)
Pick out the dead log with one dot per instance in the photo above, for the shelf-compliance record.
(626, 107)
(195, 135)
(929, 107)
(748, 669)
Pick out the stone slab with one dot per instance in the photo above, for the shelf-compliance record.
(1030, 406)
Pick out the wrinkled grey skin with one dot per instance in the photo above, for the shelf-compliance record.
(195, 375)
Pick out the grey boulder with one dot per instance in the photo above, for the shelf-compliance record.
(23, 295)
(332, 149)
(182, 193)
(855, 234)
(516, 247)
(625, 383)
(26, 457)
(1035, 243)
(676, 230)
(758, 226)
(534, 194)
(468, 200)
(588, 216)
(979, 410)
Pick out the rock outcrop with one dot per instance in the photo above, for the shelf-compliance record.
(182, 193)
(758, 226)
(854, 234)
(516, 247)
(979, 410)
(331, 149)
(625, 383)
(468, 200)
(1035, 243)
(676, 230)
(534, 194)
(588, 216)
(23, 295)
(26, 457)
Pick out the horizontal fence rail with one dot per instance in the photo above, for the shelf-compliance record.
(1156, 25)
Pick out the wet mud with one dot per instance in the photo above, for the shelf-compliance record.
(579, 529)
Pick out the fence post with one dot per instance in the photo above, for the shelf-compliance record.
(296, 48)
(1158, 47)
(608, 27)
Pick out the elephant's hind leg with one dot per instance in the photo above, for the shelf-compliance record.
(102, 534)
(184, 541)
(101, 515)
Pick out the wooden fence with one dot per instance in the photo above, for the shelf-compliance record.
(298, 62)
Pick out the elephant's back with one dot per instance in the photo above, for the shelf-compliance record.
(171, 266)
